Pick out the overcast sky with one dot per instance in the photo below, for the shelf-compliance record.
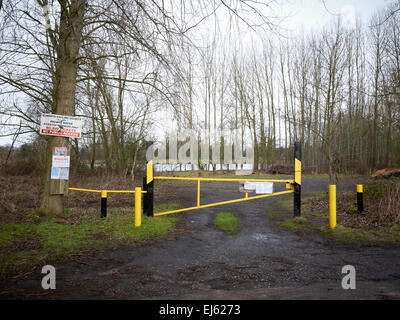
(314, 14)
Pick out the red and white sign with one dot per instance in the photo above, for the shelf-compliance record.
(60, 161)
(63, 126)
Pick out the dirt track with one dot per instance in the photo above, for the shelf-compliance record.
(199, 261)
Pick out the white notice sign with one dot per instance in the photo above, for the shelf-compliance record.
(250, 186)
(258, 187)
(59, 173)
(63, 126)
(60, 161)
(264, 187)
(55, 173)
(64, 173)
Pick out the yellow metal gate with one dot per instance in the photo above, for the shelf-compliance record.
(293, 186)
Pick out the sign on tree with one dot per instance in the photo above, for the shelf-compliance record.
(62, 126)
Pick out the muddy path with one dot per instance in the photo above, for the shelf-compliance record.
(199, 261)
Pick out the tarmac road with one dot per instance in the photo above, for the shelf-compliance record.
(198, 261)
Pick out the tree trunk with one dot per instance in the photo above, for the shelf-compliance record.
(71, 24)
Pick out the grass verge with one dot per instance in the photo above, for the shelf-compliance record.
(281, 213)
(227, 222)
(296, 224)
(350, 228)
(44, 239)
(354, 235)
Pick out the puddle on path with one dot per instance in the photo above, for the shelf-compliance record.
(265, 237)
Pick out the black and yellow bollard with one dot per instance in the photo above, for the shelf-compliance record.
(103, 204)
(332, 206)
(297, 180)
(148, 182)
(148, 186)
(360, 203)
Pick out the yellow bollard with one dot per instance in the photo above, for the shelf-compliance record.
(198, 193)
(138, 207)
(332, 206)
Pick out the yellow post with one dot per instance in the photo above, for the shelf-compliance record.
(198, 192)
(149, 172)
(138, 207)
(297, 180)
(332, 206)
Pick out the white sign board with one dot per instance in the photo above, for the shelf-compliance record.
(60, 161)
(259, 187)
(59, 173)
(63, 126)
(60, 166)
(250, 186)
(264, 187)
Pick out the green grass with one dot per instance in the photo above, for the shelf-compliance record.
(321, 216)
(281, 213)
(44, 239)
(227, 222)
(295, 224)
(282, 209)
(355, 236)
